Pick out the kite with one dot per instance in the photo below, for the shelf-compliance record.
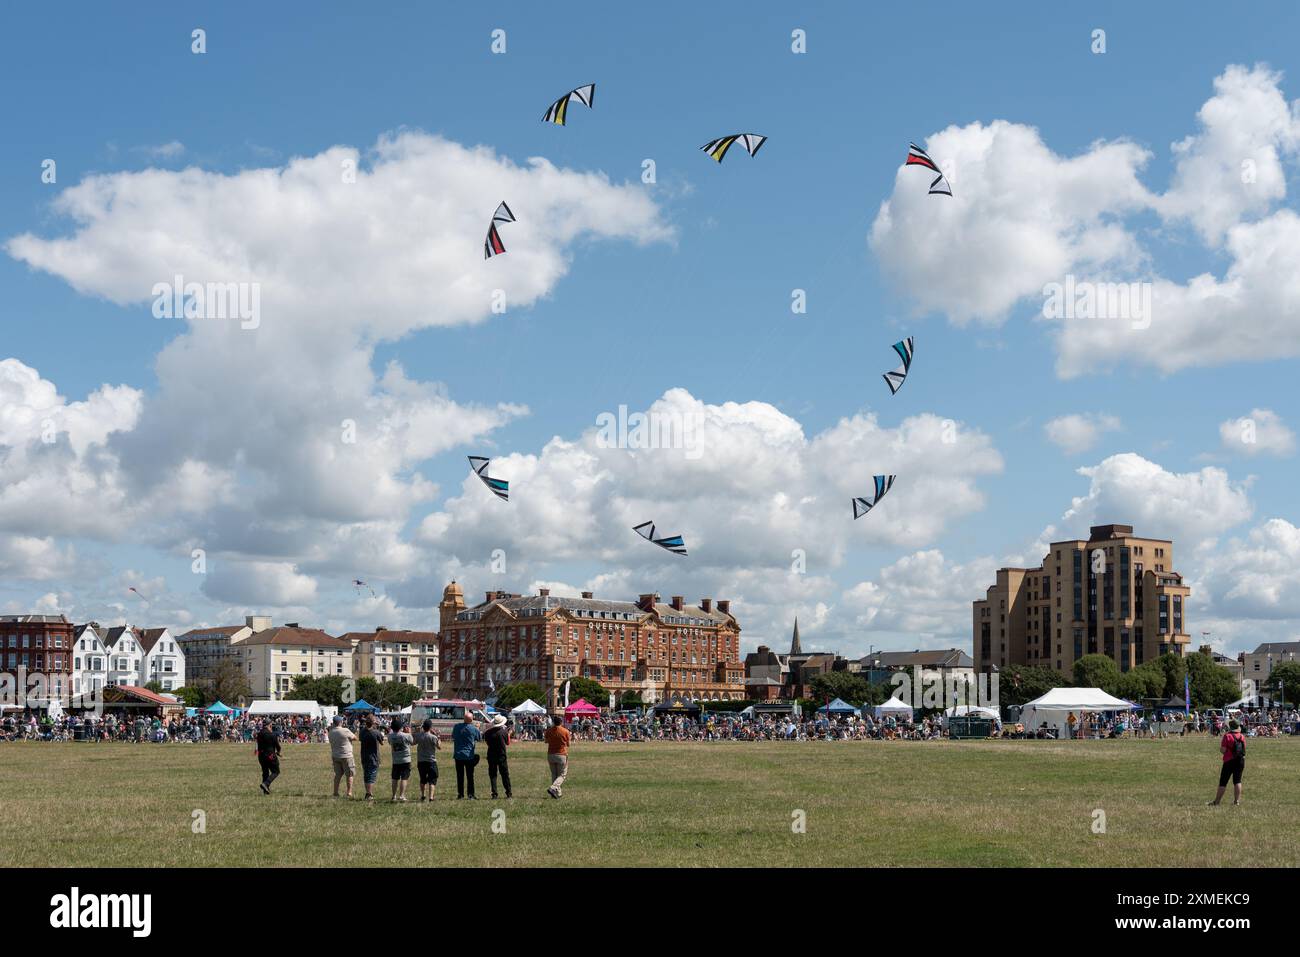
(672, 543)
(560, 108)
(897, 377)
(493, 246)
(138, 595)
(919, 157)
(360, 585)
(500, 487)
(718, 148)
(861, 505)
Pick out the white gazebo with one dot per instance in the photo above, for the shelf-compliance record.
(262, 709)
(1055, 707)
(527, 707)
(894, 707)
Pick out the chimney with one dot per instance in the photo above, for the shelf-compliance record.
(706, 604)
(586, 594)
(724, 606)
(677, 602)
(491, 596)
(379, 628)
(647, 601)
(543, 592)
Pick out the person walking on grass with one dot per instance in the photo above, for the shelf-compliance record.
(371, 741)
(340, 739)
(268, 755)
(557, 754)
(427, 744)
(497, 738)
(463, 739)
(1233, 747)
(400, 741)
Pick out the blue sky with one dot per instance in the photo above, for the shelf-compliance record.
(702, 305)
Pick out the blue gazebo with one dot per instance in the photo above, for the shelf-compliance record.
(219, 708)
(837, 706)
(361, 706)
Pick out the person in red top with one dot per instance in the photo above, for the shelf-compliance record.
(1233, 746)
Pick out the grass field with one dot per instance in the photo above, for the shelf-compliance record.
(994, 803)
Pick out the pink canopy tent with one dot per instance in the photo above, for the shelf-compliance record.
(581, 708)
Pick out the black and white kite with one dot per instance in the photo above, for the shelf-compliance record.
(718, 148)
(585, 95)
(500, 487)
(673, 543)
(862, 505)
(359, 584)
(492, 246)
(919, 157)
(897, 377)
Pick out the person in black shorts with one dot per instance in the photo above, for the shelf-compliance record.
(268, 755)
(1233, 746)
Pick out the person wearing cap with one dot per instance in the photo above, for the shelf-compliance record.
(341, 739)
(497, 738)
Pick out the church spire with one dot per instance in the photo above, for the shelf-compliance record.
(794, 642)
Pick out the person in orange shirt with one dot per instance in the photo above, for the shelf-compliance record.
(557, 754)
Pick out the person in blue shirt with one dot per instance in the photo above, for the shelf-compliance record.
(463, 739)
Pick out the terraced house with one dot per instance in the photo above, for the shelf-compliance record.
(387, 655)
(273, 657)
(646, 646)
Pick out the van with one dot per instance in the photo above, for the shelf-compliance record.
(445, 712)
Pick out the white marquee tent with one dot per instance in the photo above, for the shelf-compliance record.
(259, 709)
(528, 706)
(895, 707)
(1054, 707)
(973, 711)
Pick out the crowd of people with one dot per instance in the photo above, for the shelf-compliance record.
(35, 725)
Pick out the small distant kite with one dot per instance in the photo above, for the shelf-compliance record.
(500, 487)
(492, 246)
(718, 148)
(585, 95)
(672, 543)
(360, 585)
(897, 377)
(138, 595)
(861, 505)
(919, 157)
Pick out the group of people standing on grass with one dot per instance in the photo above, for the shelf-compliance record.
(424, 746)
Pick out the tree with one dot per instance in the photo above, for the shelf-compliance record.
(229, 684)
(154, 686)
(841, 684)
(630, 699)
(1212, 685)
(1174, 666)
(395, 695)
(327, 689)
(1097, 671)
(367, 689)
(513, 695)
(1284, 682)
(191, 697)
(587, 688)
(1144, 681)
(1019, 684)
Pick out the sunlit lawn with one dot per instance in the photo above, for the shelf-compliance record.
(989, 803)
